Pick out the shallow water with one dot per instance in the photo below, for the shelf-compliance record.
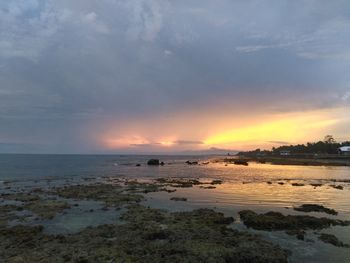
(259, 187)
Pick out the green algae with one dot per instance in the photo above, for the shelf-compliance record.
(42, 206)
(112, 195)
(46, 209)
(21, 197)
(140, 187)
(7, 214)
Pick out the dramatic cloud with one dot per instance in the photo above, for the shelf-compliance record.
(117, 75)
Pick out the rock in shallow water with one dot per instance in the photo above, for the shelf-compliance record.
(315, 208)
(183, 199)
(153, 162)
(278, 221)
(331, 239)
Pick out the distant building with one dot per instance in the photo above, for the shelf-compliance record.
(344, 150)
(284, 153)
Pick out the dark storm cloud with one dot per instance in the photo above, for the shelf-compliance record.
(66, 64)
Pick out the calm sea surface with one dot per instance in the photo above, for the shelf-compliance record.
(260, 187)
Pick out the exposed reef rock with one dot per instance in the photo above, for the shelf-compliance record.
(46, 209)
(140, 187)
(339, 187)
(297, 184)
(178, 182)
(331, 239)
(315, 208)
(112, 195)
(148, 235)
(22, 197)
(240, 162)
(207, 187)
(7, 214)
(183, 199)
(278, 221)
(216, 182)
(42, 207)
(192, 163)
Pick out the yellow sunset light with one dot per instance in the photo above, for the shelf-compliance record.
(167, 143)
(289, 128)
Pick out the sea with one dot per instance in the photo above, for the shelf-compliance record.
(259, 187)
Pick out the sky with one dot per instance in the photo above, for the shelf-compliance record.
(148, 76)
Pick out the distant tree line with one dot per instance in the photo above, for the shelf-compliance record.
(327, 146)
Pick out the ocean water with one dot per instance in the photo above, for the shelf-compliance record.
(259, 187)
(17, 167)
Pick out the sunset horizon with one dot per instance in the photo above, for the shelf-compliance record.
(170, 131)
(153, 76)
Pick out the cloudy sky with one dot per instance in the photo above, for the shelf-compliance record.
(102, 76)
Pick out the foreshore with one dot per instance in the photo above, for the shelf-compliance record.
(210, 212)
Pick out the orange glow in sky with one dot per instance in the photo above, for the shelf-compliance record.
(288, 128)
(229, 132)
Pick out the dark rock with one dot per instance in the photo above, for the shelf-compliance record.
(331, 239)
(316, 185)
(240, 162)
(192, 163)
(339, 187)
(278, 221)
(174, 182)
(153, 162)
(297, 184)
(315, 208)
(207, 187)
(216, 182)
(183, 199)
(160, 234)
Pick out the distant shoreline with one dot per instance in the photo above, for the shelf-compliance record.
(341, 161)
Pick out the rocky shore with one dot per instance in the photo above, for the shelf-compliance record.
(144, 234)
